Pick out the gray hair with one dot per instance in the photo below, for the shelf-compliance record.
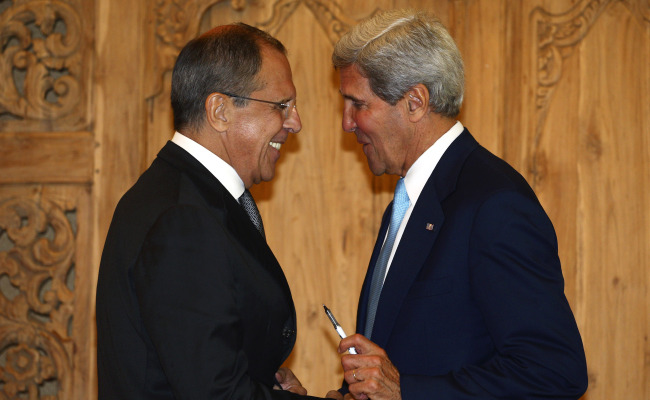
(395, 50)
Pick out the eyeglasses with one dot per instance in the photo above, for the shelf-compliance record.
(284, 107)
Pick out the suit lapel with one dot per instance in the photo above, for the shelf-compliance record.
(362, 309)
(235, 218)
(417, 241)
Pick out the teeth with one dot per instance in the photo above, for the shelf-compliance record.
(275, 145)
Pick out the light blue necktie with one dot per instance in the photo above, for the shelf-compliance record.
(400, 205)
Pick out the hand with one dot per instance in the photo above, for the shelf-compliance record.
(369, 374)
(289, 382)
(334, 394)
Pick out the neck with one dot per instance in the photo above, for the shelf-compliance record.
(427, 132)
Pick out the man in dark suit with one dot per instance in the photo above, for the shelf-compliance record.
(191, 302)
(464, 294)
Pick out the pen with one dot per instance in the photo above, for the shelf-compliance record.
(338, 328)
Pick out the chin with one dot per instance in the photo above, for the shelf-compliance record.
(268, 177)
(376, 170)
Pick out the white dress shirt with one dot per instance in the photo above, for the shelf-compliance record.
(417, 176)
(218, 167)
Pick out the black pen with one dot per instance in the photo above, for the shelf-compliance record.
(338, 328)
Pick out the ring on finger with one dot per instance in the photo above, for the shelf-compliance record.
(354, 374)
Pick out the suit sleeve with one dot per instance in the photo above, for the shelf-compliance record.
(516, 280)
(185, 284)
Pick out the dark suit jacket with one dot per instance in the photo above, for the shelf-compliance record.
(191, 302)
(475, 308)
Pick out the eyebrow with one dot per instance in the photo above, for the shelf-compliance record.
(350, 97)
(286, 100)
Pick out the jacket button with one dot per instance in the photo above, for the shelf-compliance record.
(288, 333)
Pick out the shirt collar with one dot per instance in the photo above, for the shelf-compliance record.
(419, 173)
(221, 170)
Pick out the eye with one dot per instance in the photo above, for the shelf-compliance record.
(357, 104)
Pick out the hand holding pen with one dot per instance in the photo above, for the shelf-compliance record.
(338, 328)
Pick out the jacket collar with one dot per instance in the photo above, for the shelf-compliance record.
(417, 240)
(221, 201)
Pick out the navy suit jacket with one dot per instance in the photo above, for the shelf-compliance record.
(475, 308)
(191, 302)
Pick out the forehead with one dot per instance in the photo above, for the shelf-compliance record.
(275, 73)
(354, 85)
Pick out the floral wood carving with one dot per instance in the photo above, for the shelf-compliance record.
(41, 65)
(176, 21)
(556, 35)
(36, 316)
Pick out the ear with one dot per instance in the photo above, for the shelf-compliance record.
(417, 99)
(216, 106)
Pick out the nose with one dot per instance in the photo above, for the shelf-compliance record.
(347, 121)
(292, 123)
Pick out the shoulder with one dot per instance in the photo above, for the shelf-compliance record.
(484, 174)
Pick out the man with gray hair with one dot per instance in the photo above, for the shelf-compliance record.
(464, 294)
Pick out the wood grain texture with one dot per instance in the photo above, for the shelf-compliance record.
(579, 136)
(558, 88)
(52, 157)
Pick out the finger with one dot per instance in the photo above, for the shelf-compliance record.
(357, 391)
(286, 378)
(334, 394)
(350, 362)
(354, 376)
(297, 390)
(358, 341)
(376, 383)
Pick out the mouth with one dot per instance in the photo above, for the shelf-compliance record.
(361, 139)
(275, 145)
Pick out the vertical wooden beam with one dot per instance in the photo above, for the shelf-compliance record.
(119, 114)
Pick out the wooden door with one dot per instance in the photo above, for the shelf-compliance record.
(559, 88)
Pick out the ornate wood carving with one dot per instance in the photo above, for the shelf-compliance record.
(639, 8)
(43, 66)
(36, 313)
(328, 14)
(176, 21)
(556, 35)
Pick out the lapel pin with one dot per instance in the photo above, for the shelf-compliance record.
(429, 226)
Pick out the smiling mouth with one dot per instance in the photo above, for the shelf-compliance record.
(275, 145)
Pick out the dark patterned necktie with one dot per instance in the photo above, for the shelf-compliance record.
(247, 202)
(401, 203)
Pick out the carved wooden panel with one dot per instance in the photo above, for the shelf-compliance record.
(46, 171)
(45, 331)
(44, 65)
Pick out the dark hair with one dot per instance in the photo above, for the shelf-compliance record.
(224, 59)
